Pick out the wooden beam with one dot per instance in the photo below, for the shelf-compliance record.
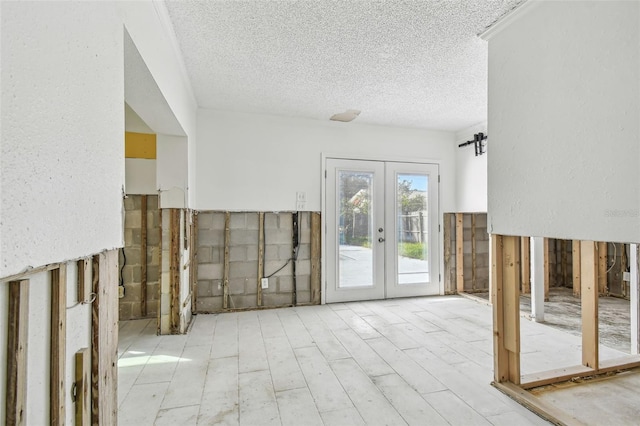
(473, 253)
(563, 264)
(143, 256)
(589, 302)
(17, 340)
(174, 270)
(500, 353)
(58, 345)
(511, 295)
(525, 253)
(82, 266)
(83, 384)
(95, 342)
(547, 270)
(316, 242)
(193, 262)
(459, 253)
(225, 276)
(260, 255)
(575, 264)
(602, 268)
(448, 281)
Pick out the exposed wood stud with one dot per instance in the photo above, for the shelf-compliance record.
(565, 269)
(575, 265)
(17, 339)
(511, 295)
(83, 383)
(143, 256)
(589, 302)
(58, 345)
(500, 354)
(602, 268)
(260, 255)
(81, 277)
(447, 253)
(193, 261)
(174, 270)
(225, 277)
(315, 258)
(473, 253)
(95, 343)
(459, 253)
(525, 266)
(547, 270)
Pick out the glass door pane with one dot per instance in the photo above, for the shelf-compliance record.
(355, 228)
(412, 228)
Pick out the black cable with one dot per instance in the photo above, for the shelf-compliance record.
(124, 262)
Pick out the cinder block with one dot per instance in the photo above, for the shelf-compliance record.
(243, 270)
(237, 254)
(124, 311)
(153, 273)
(217, 254)
(252, 253)
(153, 290)
(303, 296)
(303, 267)
(129, 203)
(128, 237)
(165, 282)
(482, 247)
(241, 301)
(237, 285)
(270, 220)
(209, 304)
(152, 202)
(152, 219)
(152, 308)
(272, 252)
(238, 221)
(132, 219)
(305, 236)
(136, 237)
(212, 238)
(278, 236)
(273, 286)
(165, 302)
(218, 221)
(131, 292)
(304, 251)
(303, 283)
(285, 221)
(243, 237)
(273, 265)
(205, 288)
(204, 254)
(252, 221)
(210, 271)
(136, 310)
(285, 252)
(205, 220)
(153, 237)
(165, 261)
(466, 220)
(285, 284)
(278, 299)
(153, 255)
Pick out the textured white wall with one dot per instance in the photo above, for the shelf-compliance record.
(140, 176)
(62, 167)
(564, 108)
(471, 173)
(172, 166)
(258, 162)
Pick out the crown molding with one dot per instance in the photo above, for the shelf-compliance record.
(509, 18)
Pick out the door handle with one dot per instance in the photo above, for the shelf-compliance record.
(381, 240)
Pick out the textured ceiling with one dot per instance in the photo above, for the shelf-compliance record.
(402, 63)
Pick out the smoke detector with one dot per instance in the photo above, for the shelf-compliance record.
(345, 117)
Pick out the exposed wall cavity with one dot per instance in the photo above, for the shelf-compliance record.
(140, 258)
(282, 254)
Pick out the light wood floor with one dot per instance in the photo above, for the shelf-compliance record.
(422, 361)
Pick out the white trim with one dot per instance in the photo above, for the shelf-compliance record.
(509, 18)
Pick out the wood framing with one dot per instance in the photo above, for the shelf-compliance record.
(143, 256)
(57, 360)
(104, 339)
(316, 246)
(474, 275)
(225, 276)
(506, 308)
(575, 262)
(82, 378)
(459, 253)
(525, 264)
(82, 279)
(17, 340)
(174, 270)
(260, 255)
(193, 261)
(448, 270)
(589, 271)
(602, 268)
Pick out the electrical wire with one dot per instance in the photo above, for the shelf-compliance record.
(615, 255)
(85, 302)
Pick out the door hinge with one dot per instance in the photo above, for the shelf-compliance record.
(325, 174)
(439, 277)
(438, 227)
(438, 178)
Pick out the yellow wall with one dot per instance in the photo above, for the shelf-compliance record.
(139, 145)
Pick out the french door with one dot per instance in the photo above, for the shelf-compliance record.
(382, 230)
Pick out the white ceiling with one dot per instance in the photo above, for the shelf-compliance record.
(402, 63)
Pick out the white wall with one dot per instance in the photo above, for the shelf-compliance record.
(564, 108)
(172, 167)
(140, 176)
(257, 162)
(471, 173)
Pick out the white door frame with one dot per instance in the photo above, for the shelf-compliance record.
(323, 212)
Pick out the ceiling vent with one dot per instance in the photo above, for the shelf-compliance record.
(345, 117)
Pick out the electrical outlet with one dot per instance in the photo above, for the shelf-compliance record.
(120, 291)
(264, 282)
(301, 205)
(301, 196)
(626, 276)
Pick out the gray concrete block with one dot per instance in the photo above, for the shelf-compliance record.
(217, 254)
(278, 236)
(205, 288)
(252, 221)
(273, 286)
(237, 285)
(270, 220)
(210, 271)
(273, 265)
(152, 309)
(252, 253)
(303, 267)
(209, 304)
(285, 221)
(285, 252)
(131, 292)
(212, 238)
(204, 254)
(153, 237)
(278, 299)
(303, 297)
(129, 203)
(238, 221)
(243, 270)
(237, 254)
(303, 283)
(153, 273)
(305, 235)
(124, 311)
(272, 252)
(152, 202)
(285, 284)
(205, 220)
(133, 219)
(304, 251)
(153, 291)
(243, 301)
(136, 237)
(244, 237)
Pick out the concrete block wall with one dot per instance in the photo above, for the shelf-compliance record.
(243, 260)
(129, 305)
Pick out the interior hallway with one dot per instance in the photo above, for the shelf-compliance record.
(401, 361)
